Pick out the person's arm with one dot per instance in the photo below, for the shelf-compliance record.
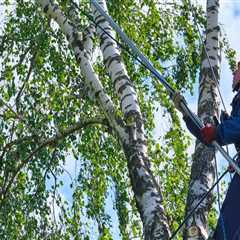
(193, 128)
(207, 134)
(177, 99)
(229, 131)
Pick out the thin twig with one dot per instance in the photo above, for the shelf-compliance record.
(22, 58)
(32, 62)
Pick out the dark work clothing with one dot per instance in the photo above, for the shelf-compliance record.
(196, 131)
(229, 220)
(227, 132)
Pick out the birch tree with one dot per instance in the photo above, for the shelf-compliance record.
(203, 167)
(149, 200)
(69, 92)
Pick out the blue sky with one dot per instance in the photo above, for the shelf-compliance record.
(229, 17)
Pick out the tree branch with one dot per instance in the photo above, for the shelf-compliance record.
(74, 37)
(48, 142)
(32, 62)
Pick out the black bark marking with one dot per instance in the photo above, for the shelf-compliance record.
(77, 55)
(95, 11)
(97, 18)
(123, 87)
(142, 184)
(65, 20)
(45, 9)
(85, 55)
(122, 77)
(209, 30)
(55, 8)
(107, 31)
(127, 95)
(212, 8)
(108, 45)
(119, 72)
(116, 58)
(87, 32)
(217, 3)
(80, 45)
(207, 107)
(100, 21)
(72, 24)
(88, 36)
(128, 106)
(217, 28)
(133, 113)
(97, 93)
(215, 38)
(103, 39)
(142, 142)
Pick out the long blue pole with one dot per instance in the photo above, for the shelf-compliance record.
(149, 65)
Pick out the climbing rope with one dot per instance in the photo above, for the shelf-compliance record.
(219, 201)
(208, 58)
(202, 199)
(223, 104)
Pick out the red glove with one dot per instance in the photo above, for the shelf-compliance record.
(208, 133)
(231, 169)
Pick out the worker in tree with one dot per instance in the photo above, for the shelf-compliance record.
(226, 132)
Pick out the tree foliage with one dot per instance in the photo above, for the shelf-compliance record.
(48, 119)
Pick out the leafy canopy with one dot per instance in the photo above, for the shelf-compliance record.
(42, 97)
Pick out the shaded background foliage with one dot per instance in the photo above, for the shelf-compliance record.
(42, 95)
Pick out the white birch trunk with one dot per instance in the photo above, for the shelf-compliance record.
(112, 59)
(88, 33)
(75, 39)
(203, 173)
(148, 198)
(88, 36)
(147, 194)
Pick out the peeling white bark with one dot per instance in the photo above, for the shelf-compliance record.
(202, 173)
(88, 36)
(88, 32)
(112, 59)
(148, 197)
(212, 40)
